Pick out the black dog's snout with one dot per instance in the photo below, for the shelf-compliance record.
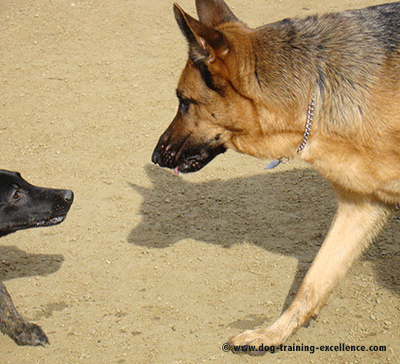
(68, 196)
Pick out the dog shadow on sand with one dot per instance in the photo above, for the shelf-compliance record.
(287, 212)
(14, 263)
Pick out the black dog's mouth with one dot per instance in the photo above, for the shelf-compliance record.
(33, 224)
(51, 222)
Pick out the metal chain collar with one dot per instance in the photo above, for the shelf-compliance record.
(307, 130)
(310, 118)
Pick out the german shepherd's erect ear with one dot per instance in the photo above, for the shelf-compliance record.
(214, 12)
(206, 44)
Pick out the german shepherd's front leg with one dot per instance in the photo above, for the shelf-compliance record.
(355, 224)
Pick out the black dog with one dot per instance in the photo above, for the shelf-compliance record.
(24, 206)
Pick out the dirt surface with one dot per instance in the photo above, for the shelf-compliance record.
(149, 267)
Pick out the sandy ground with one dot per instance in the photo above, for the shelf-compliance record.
(149, 267)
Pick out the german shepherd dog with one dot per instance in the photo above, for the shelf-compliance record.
(24, 206)
(324, 88)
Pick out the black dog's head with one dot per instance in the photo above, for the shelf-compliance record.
(24, 206)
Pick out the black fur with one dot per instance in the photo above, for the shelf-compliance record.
(24, 206)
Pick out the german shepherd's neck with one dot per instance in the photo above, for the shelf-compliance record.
(352, 67)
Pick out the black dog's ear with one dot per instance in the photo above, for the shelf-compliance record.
(214, 12)
(205, 43)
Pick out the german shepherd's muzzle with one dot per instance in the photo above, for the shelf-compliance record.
(179, 148)
(184, 154)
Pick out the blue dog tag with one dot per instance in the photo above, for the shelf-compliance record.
(274, 164)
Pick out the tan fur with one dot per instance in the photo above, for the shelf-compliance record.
(249, 90)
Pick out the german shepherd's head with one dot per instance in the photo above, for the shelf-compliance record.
(215, 106)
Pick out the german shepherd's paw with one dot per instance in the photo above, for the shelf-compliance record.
(256, 342)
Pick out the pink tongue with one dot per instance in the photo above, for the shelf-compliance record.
(176, 171)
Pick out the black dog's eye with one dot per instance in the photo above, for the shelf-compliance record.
(17, 192)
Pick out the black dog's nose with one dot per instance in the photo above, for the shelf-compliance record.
(68, 196)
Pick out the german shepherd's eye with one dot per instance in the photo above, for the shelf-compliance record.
(184, 105)
(184, 102)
